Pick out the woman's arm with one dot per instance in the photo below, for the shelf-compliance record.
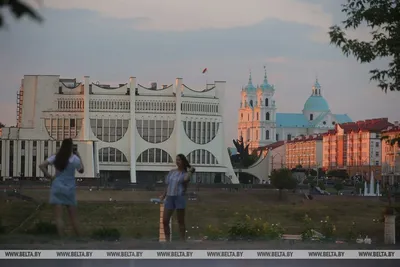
(44, 166)
(188, 175)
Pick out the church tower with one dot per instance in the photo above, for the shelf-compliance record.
(257, 114)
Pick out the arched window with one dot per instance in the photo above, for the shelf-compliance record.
(266, 102)
(251, 103)
(289, 137)
(257, 115)
(267, 116)
(248, 134)
(241, 116)
(267, 134)
(248, 117)
(311, 117)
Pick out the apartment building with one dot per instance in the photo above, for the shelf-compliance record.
(355, 146)
(305, 151)
(391, 154)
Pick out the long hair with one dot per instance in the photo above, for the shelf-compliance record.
(63, 155)
(186, 164)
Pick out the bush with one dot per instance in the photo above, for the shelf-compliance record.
(254, 228)
(43, 228)
(328, 229)
(307, 232)
(321, 185)
(352, 234)
(213, 233)
(106, 234)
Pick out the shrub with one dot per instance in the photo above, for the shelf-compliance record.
(213, 233)
(106, 234)
(328, 229)
(352, 233)
(307, 232)
(254, 228)
(43, 228)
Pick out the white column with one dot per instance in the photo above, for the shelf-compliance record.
(132, 86)
(3, 158)
(178, 120)
(86, 119)
(220, 92)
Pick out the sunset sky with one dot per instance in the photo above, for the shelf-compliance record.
(159, 40)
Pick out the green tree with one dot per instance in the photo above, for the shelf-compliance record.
(338, 186)
(2, 125)
(382, 17)
(18, 9)
(283, 179)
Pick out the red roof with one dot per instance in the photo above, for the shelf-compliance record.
(303, 138)
(371, 125)
(272, 146)
(392, 129)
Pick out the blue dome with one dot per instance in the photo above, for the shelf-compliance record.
(250, 87)
(316, 103)
(266, 86)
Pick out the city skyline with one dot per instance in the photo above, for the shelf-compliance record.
(148, 40)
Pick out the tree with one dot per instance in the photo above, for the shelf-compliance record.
(243, 158)
(382, 17)
(18, 9)
(338, 186)
(283, 179)
(2, 125)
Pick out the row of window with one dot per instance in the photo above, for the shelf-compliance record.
(155, 131)
(111, 155)
(155, 106)
(190, 107)
(109, 104)
(70, 104)
(267, 116)
(109, 130)
(157, 155)
(24, 153)
(60, 128)
(201, 132)
(266, 102)
(154, 155)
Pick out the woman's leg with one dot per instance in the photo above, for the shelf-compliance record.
(180, 213)
(73, 218)
(166, 219)
(58, 212)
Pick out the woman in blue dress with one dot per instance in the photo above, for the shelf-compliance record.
(63, 187)
(174, 195)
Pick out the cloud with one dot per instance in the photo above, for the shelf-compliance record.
(188, 15)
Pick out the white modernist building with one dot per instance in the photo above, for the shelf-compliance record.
(126, 132)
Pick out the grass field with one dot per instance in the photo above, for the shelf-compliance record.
(134, 216)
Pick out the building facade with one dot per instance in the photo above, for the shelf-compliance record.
(355, 146)
(127, 132)
(305, 151)
(260, 124)
(391, 154)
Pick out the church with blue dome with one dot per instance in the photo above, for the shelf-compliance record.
(260, 124)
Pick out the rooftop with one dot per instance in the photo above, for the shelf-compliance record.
(370, 125)
(304, 138)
